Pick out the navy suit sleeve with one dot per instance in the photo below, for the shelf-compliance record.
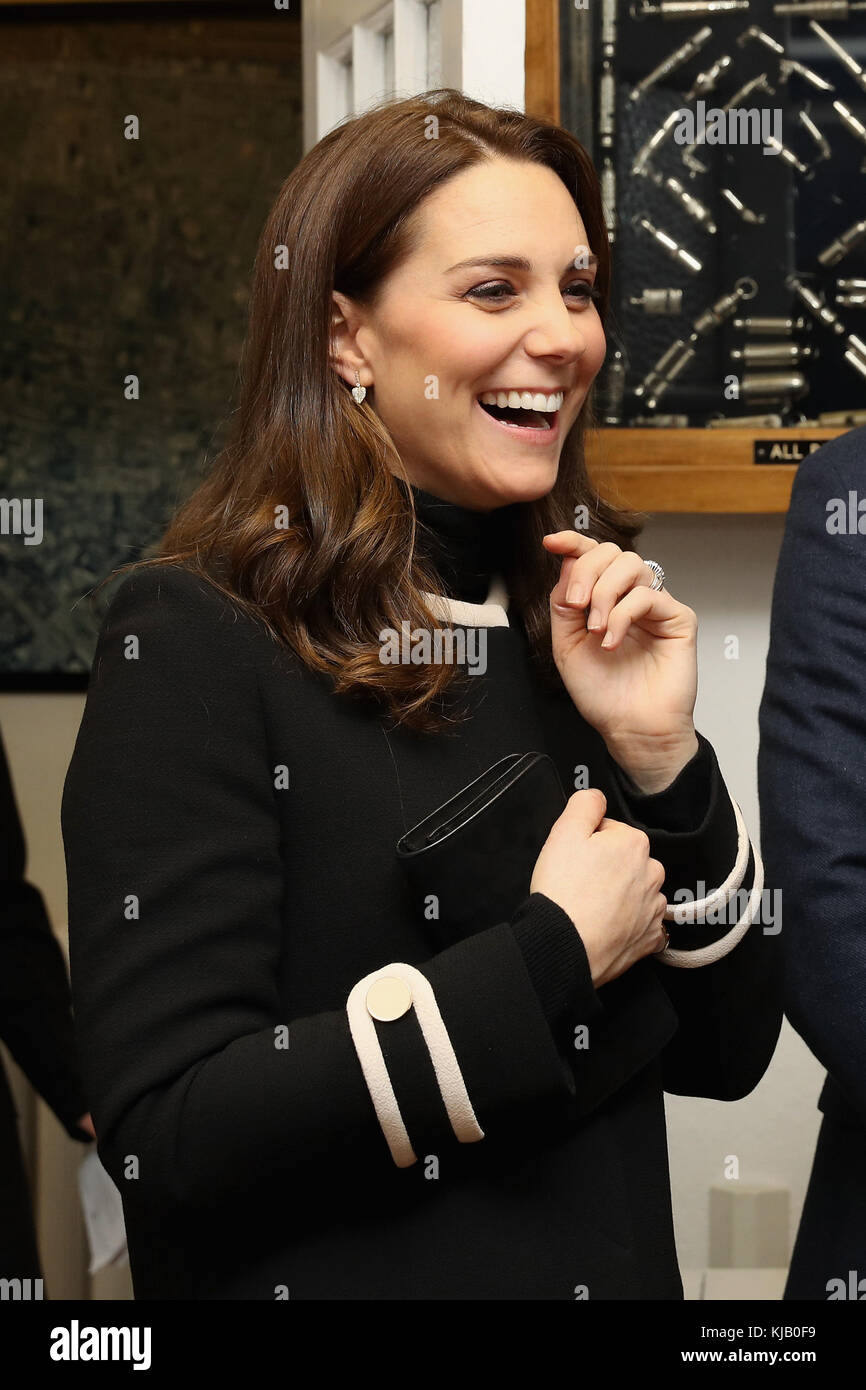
(812, 761)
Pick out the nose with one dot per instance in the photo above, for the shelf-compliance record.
(556, 330)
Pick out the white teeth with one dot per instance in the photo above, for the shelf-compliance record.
(524, 400)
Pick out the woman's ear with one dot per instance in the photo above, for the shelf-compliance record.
(346, 356)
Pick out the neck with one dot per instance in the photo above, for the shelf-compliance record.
(466, 547)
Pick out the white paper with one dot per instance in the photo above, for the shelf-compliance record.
(103, 1213)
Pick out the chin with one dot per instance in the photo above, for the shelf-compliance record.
(524, 483)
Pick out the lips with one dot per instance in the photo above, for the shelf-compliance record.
(528, 430)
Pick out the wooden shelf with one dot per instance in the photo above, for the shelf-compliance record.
(694, 470)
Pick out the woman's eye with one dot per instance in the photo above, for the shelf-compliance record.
(489, 291)
(587, 291)
(498, 290)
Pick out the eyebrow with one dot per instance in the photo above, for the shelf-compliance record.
(515, 263)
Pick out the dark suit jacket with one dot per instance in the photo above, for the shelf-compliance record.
(36, 1026)
(812, 786)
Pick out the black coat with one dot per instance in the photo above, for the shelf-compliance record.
(812, 786)
(36, 1026)
(211, 905)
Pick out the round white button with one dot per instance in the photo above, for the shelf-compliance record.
(388, 998)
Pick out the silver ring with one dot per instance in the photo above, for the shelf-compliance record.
(667, 942)
(657, 571)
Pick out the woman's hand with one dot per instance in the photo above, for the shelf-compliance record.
(600, 872)
(627, 656)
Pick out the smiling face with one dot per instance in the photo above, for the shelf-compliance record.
(443, 335)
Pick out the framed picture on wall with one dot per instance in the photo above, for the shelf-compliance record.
(143, 146)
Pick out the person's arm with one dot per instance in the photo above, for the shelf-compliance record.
(812, 765)
(35, 1003)
(176, 881)
(729, 1008)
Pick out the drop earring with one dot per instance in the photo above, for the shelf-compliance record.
(359, 391)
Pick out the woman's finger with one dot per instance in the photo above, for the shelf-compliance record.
(569, 542)
(559, 593)
(590, 559)
(657, 605)
(624, 572)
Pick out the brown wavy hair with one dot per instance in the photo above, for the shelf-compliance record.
(300, 451)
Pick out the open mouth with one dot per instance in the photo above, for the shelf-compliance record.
(516, 415)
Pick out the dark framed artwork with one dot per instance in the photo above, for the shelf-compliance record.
(144, 145)
(696, 221)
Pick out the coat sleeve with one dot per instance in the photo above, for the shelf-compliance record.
(35, 1003)
(198, 1081)
(812, 767)
(729, 1009)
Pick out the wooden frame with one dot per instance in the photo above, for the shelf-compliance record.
(542, 59)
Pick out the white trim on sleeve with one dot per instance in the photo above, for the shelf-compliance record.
(448, 1074)
(688, 912)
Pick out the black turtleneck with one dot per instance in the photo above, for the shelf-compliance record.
(466, 546)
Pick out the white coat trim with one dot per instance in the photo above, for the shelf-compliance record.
(448, 1074)
(707, 955)
(491, 613)
(688, 912)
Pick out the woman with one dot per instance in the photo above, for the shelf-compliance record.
(250, 756)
